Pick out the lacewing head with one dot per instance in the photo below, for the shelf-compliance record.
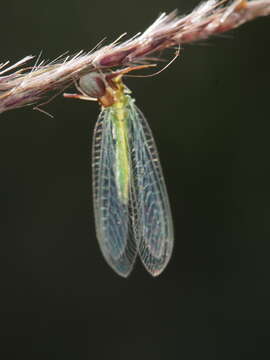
(105, 86)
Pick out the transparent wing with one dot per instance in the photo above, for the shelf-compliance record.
(153, 228)
(113, 221)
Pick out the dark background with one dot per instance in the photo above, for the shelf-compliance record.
(209, 112)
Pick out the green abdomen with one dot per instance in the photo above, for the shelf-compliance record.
(122, 161)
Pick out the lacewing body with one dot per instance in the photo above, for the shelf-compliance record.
(131, 205)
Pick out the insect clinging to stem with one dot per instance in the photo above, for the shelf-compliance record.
(131, 205)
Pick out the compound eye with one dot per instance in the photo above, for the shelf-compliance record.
(93, 85)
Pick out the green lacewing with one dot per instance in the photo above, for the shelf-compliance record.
(131, 205)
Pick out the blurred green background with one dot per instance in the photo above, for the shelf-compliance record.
(209, 112)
